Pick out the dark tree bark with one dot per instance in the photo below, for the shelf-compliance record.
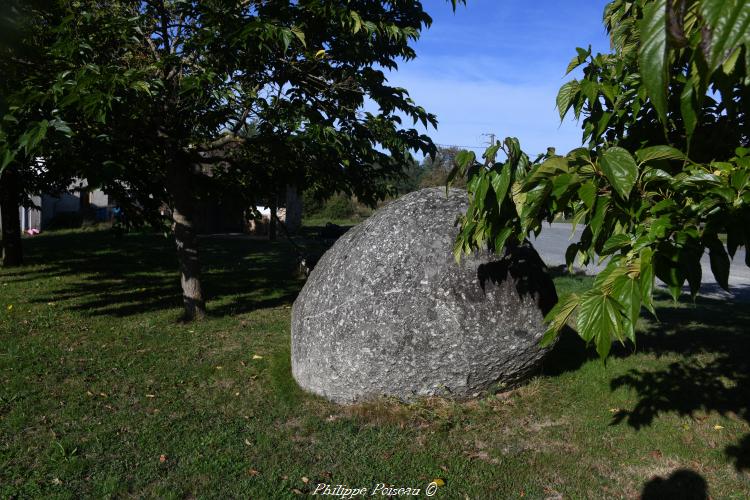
(11, 222)
(186, 240)
(293, 219)
(272, 219)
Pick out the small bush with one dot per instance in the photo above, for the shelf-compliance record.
(337, 207)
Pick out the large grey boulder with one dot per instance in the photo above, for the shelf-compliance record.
(388, 311)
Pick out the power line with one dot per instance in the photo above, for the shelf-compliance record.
(482, 148)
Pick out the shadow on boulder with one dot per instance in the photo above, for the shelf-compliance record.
(529, 273)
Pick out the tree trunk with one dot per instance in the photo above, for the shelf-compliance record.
(272, 221)
(186, 239)
(293, 219)
(11, 222)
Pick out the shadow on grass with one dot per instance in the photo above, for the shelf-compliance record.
(138, 273)
(712, 375)
(683, 484)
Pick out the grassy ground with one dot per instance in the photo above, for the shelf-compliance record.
(103, 393)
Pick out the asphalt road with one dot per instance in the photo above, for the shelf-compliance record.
(554, 240)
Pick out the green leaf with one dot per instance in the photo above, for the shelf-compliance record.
(558, 318)
(728, 23)
(689, 105)
(501, 238)
(33, 136)
(491, 152)
(500, 183)
(480, 194)
(587, 193)
(646, 279)
(5, 159)
(561, 184)
(141, 86)
(667, 269)
(590, 90)
(655, 174)
(652, 57)
(690, 264)
(719, 263)
(551, 167)
(615, 243)
(465, 158)
(599, 319)
(621, 170)
(300, 35)
(628, 293)
(570, 254)
(579, 59)
(659, 153)
(357, 22)
(663, 205)
(597, 218)
(566, 95)
(286, 37)
(659, 227)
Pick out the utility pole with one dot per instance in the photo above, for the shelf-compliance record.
(491, 135)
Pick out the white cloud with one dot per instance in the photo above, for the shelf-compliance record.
(468, 108)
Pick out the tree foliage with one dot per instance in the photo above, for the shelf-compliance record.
(664, 174)
(172, 102)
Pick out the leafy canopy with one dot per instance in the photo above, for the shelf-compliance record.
(664, 173)
(257, 92)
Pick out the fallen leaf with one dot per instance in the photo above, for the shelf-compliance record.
(655, 454)
(256, 356)
(219, 367)
(162, 458)
(718, 427)
(296, 491)
(444, 468)
(614, 410)
(305, 479)
(56, 481)
(438, 482)
(10, 308)
(247, 442)
(150, 395)
(253, 472)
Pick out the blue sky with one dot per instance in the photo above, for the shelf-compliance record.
(495, 67)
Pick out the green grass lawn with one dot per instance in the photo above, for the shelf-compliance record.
(104, 393)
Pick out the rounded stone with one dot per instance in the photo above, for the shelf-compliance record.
(387, 311)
